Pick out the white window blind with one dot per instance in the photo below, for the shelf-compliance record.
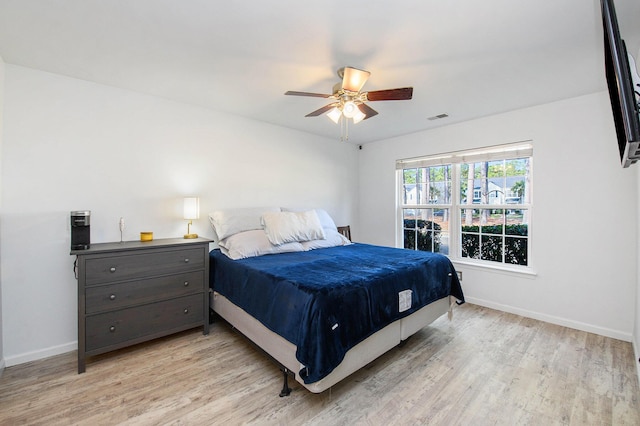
(492, 153)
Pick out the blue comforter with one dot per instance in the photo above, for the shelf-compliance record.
(326, 301)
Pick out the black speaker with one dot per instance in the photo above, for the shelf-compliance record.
(80, 230)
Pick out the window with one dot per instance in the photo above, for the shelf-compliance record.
(473, 205)
(426, 193)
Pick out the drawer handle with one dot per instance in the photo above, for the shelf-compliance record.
(112, 269)
(112, 297)
(186, 310)
(112, 328)
(186, 260)
(186, 283)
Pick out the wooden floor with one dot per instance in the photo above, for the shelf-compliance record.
(483, 368)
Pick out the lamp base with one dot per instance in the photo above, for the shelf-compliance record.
(189, 236)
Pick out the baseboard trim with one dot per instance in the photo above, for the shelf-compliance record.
(40, 354)
(590, 328)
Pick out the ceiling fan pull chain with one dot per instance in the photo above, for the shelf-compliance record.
(346, 127)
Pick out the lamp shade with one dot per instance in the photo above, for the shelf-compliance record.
(358, 117)
(334, 115)
(191, 208)
(350, 109)
(353, 79)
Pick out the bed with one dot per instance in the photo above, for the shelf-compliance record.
(322, 308)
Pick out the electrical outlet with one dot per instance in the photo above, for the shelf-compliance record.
(459, 275)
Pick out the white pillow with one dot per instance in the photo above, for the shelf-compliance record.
(253, 243)
(325, 219)
(333, 239)
(286, 227)
(232, 221)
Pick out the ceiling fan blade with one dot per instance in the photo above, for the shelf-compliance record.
(367, 110)
(321, 110)
(315, 95)
(401, 94)
(353, 79)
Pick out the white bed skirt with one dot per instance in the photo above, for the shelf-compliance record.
(357, 357)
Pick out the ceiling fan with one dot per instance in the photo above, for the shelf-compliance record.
(349, 101)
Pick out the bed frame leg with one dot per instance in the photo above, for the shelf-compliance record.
(403, 342)
(286, 390)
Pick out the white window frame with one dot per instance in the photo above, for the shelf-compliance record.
(456, 159)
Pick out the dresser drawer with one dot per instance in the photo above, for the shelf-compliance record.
(108, 297)
(142, 322)
(134, 265)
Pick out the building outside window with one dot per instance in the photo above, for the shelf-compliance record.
(473, 206)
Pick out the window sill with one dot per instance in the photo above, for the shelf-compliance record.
(522, 271)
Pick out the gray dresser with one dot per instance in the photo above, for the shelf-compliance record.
(134, 291)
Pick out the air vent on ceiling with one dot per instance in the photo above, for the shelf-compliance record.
(438, 117)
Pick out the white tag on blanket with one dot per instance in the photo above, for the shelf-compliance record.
(404, 298)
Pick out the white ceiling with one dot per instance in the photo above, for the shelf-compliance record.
(466, 58)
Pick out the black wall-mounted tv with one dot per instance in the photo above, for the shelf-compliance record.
(623, 94)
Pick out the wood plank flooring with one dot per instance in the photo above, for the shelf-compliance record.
(485, 367)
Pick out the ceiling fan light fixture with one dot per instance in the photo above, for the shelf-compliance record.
(334, 115)
(349, 109)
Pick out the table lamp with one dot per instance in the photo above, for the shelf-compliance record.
(191, 211)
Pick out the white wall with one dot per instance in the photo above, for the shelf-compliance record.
(71, 144)
(584, 252)
(2, 362)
